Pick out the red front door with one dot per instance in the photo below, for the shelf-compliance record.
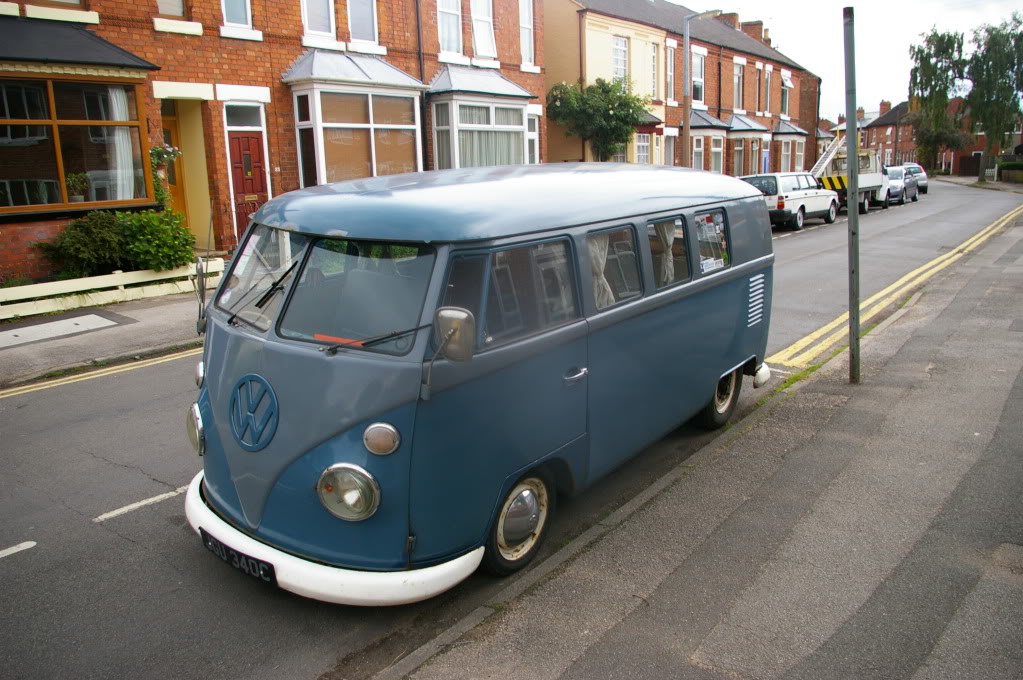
(248, 174)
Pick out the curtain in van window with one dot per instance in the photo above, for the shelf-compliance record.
(666, 232)
(602, 294)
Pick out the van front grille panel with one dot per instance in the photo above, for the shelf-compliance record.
(756, 300)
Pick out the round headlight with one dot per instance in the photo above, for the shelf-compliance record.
(381, 439)
(348, 492)
(196, 433)
(200, 373)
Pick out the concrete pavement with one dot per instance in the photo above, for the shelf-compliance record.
(841, 531)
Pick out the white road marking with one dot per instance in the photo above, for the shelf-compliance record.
(17, 548)
(53, 329)
(135, 506)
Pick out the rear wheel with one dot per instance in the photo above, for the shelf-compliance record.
(916, 196)
(521, 525)
(887, 201)
(832, 213)
(722, 404)
(797, 220)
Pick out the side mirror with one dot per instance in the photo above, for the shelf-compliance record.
(456, 329)
(820, 183)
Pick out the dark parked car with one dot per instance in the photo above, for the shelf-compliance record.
(902, 185)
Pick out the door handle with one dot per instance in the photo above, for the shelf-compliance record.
(577, 376)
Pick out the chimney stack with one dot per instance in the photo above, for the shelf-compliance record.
(841, 118)
(885, 107)
(732, 19)
(859, 113)
(767, 39)
(754, 29)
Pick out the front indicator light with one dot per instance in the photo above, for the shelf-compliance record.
(348, 492)
(381, 439)
(200, 373)
(196, 433)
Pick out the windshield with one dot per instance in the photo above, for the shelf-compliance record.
(767, 185)
(268, 255)
(351, 291)
(894, 173)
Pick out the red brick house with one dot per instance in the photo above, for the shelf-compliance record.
(261, 97)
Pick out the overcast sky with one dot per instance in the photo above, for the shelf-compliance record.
(811, 34)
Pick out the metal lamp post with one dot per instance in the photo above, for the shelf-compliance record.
(687, 91)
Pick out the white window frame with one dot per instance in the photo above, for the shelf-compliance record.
(331, 35)
(717, 154)
(739, 157)
(532, 138)
(670, 71)
(455, 125)
(483, 27)
(738, 80)
(232, 24)
(784, 100)
(699, 79)
(619, 157)
(799, 156)
(619, 57)
(376, 24)
(786, 156)
(227, 149)
(527, 46)
(457, 13)
(669, 151)
(697, 147)
(643, 148)
(767, 90)
(654, 52)
(316, 122)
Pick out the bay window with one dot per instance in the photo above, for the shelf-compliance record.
(354, 134)
(698, 153)
(476, 133)
(786, 156)
(717, 151)
(643, 148)
(87, 148)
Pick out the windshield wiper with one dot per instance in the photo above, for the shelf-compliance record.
(368, 342)
(275, 286)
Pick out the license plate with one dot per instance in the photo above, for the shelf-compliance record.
(257, 569)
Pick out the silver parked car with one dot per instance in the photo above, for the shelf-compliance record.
(902, 185)
(917, 171)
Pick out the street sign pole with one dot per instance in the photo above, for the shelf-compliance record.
(852, 148)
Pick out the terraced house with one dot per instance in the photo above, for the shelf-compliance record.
(261, 97)
(751, 105)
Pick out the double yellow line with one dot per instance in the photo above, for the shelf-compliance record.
(99, 373)
(802, 353)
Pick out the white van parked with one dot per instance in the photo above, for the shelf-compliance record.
(792, 197)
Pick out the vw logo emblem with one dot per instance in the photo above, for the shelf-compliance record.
(253, 412)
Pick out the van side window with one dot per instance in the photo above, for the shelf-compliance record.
(668, 248)
(712, 236)
(615, 266)
(532, 289)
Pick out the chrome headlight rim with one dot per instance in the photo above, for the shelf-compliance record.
(358, 473)
(369, 438)
(196, 430)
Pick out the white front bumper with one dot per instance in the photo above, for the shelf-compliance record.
(333, 584)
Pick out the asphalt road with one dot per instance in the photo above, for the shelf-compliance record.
(136, 595)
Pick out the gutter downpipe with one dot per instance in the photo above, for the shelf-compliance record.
(582, 66)
(721, 67)
(422, 78)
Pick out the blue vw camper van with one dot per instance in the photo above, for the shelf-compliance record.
(401, 374)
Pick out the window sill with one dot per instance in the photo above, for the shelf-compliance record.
(699, 106)
(529, 68)
(486, 63)
(58, 14)
(672, 103)
(784, 117)
(65, 211)
(323, 42)
(9, 9)
(177, 26)
(241, 33)
(363, 47)
(741, 112)
(453, 58)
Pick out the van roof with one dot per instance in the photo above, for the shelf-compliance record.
(493, 202)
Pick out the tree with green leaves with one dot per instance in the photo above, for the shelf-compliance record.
(605, 114)
(995, 71)
(936, 77)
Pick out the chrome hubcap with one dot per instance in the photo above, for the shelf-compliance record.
(522, 518)
(723, 394)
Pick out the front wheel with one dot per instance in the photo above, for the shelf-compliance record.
(865, 204)
(887, 201)
(832, 213)
(521, 525)
(722, 404)
(902, 198)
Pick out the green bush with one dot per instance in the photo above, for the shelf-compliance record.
(101, 242)
(14, 281)
(157, 240)
(1011, 165)
(90, 246)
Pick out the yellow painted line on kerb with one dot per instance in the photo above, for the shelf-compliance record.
(99, 373)
(802, 353)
